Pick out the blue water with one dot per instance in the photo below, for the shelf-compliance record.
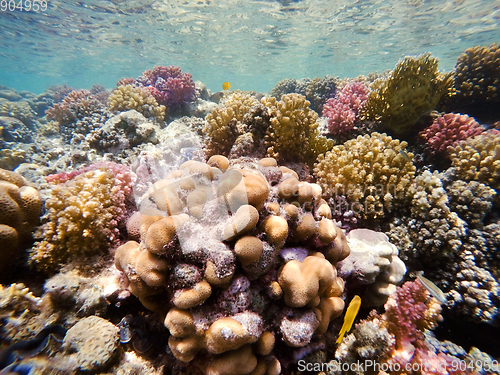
(252, 44)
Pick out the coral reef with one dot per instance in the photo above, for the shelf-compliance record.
(75, 105)
(83, 215)
(293, 134)
(245, 252)
(477, 159)
(168, 85)
(412, 89)
(342, 111)
(373, 171)
(317, 90)
(127, 97)
(20, 207)
(448, 130)
(20, 110)
(477, 82)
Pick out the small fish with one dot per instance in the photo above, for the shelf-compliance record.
(216, 98)
(431, 287)
(226, 86)
(405, 155)
(350, 315)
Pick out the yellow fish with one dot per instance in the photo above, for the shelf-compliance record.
(350, 315)
(226, 86)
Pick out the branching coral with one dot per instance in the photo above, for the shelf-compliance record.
(373, 171)
(293, 134)
(411, 90)
(342, 110)
(317, 90)
(127, 97)
(448, 130)
(478, 159)
(245, 253)
(76, 105)
(477, 82)
(168, 85)
(83, 215)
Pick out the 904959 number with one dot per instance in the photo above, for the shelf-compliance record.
(23, 5)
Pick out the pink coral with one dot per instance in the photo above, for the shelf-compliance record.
(76, 105)
(342, 110)
(168, 85)
(448, 130)
(125, 81)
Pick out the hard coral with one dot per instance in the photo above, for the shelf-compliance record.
(127, 97)
(293, 134)
(373, 171)
(411, 90)
(342, 110)
(222, 247)
(83, 215)
(20, 207)
(477, 82)
(448, 130)
(168, 85)
(478, 159)
(76, 105)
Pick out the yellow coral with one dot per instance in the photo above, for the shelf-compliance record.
(478, 159)
(127, 97)
(293, 134)
(411, 90)
(224, 122)
(370, 170)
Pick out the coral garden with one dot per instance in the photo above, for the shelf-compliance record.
(159, 228)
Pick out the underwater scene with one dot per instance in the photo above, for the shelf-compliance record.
(256, 187)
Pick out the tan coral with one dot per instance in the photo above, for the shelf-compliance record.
(127, 97)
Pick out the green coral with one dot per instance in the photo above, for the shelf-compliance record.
(373, 171)
(410, 91)
(293, 134)
(478, 159)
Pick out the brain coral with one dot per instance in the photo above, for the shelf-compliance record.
(293, 134)
(477, 82)
(412, 89)
(20, 207)
(478, 159)
(448, 130)
(373, 171)
(127, 97)
(240, 260)
(83, 215)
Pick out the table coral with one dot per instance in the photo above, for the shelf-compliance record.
(293, 134)
(373, 171)
(448, 130)
(20, 207)
(412, 89)
(342, 111)
(226, 261)
(127, 97)
(83, 215)
(168, 85)
(477, 82)
(478, 159)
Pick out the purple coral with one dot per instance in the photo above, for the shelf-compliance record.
(76, 105)
(168, 85)
(342, 110)
(448, 130)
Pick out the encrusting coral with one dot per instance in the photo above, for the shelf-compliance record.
(412, 89)
(373, 171)
(244, 253)
(20, 207)
(127, 97)
(83, 215)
